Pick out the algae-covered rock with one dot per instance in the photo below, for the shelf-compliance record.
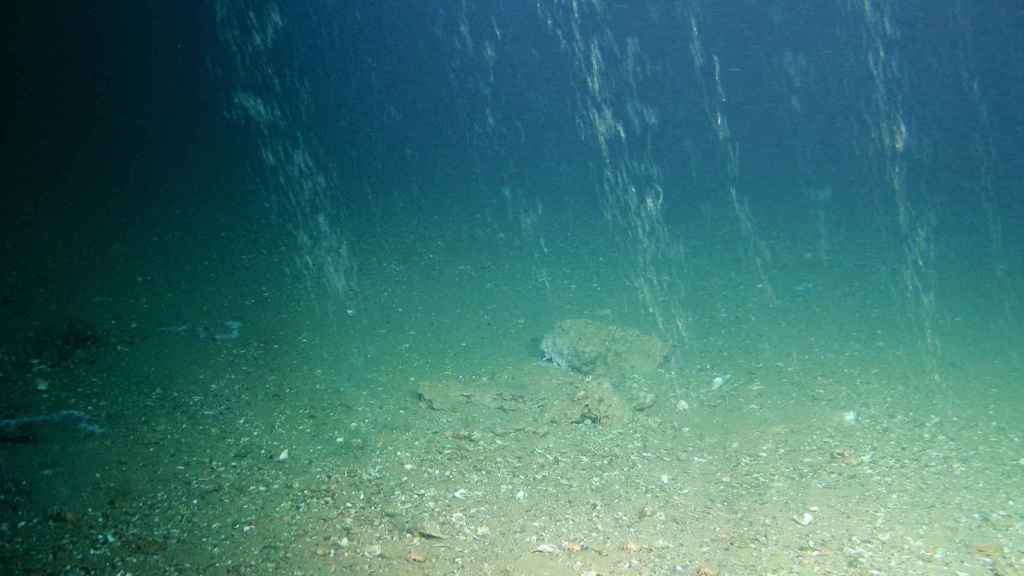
(590, 347)
(578, 345)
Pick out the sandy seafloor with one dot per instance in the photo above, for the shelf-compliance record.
(833, 443)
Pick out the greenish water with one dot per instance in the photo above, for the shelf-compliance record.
(827, 405)
(496, 288)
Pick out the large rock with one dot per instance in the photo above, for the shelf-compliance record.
(589, 347)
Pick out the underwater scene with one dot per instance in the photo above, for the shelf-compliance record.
(513, 287)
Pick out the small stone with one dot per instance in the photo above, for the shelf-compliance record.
(645, 402)
(282, 456)
(429, 531)
(646, 511)
(416, 556)
(375, 551)
(989, 550)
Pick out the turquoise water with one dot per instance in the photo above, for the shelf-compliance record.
(428, 409)
(278, 283)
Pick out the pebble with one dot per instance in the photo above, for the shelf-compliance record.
(375, 551)
(415, 556)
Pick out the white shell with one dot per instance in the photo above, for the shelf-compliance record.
(804, 519)
(546, 549)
